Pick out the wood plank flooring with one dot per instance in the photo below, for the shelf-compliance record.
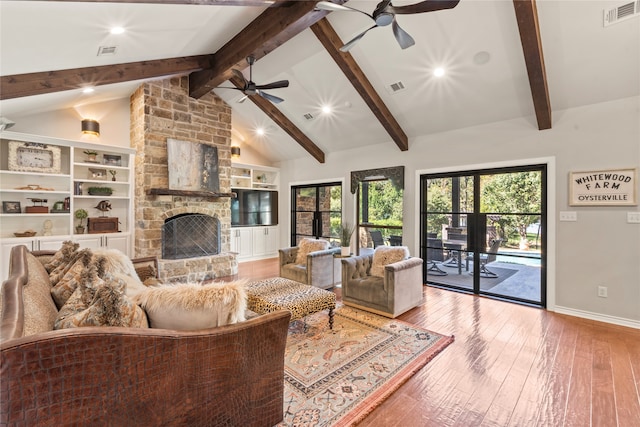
(510, 365)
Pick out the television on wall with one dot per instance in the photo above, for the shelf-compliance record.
(254, 208)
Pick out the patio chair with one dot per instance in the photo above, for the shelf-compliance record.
(376, 236)
(435, 253)
(395, 240)
(487, 258)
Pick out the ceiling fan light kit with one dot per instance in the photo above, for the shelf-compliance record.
(385, 14)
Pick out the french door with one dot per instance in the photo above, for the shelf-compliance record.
(316, 212)
(484, 232)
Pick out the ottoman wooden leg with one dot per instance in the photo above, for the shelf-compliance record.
(331, 318)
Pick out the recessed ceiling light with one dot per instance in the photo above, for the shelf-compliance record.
(326, 109)
(88, 90)
(481, 58)
(117, 30)
(438, 72)
(260, 131)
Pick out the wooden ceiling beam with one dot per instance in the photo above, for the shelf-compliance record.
(273, 28)
(19, 85)
(281, 120)
(332, 43)
(527, 17)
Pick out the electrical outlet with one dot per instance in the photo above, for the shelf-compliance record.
(602, 291)
(633, 217)
(568, 216)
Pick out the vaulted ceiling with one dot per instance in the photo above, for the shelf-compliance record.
(492, 51)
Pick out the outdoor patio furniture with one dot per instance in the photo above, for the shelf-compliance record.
(376, 236)
(435, 254)
(487, 258)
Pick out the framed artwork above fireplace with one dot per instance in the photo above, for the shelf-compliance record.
(193, 166)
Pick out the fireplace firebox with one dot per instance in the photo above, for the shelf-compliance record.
(190, 235)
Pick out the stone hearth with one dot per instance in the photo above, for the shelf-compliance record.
(161, 110)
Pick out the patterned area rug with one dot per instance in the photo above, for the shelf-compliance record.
(336, 378)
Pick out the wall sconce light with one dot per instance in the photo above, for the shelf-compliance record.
(235, 152)
(90, 127)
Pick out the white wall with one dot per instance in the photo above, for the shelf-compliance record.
(601, 248)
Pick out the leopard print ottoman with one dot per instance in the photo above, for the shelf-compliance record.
(301, 300)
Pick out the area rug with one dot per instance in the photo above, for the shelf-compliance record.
(336, 377)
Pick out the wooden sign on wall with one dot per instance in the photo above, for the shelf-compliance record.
(615, 187)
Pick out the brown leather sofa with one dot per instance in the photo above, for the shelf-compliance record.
(227, 376)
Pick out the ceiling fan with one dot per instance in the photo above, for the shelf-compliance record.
(385, 14)
(250, 88)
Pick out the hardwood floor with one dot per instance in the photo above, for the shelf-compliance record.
(510, 365)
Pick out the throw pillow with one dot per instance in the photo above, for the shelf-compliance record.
(306, 246)
(39, 310)
(384, 255)
(116, 262)
(192, 306)
(62, 269)
(68, 283)
(62, 255)
(98, 302)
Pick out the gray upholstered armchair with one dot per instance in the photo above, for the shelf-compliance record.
(396, 290)
(310, 263)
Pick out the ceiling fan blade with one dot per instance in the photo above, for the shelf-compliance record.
(239, 75)
(333, 7)
(271, 98)
(355, 40)
(275, 85)
(228, 87)
(424, 6)
(403, 38)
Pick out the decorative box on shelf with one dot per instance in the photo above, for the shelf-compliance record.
(103, 225)
(37, 209)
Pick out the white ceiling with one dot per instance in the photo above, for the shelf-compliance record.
(586, 63)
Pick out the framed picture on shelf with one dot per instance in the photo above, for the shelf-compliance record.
(112, 160)
(11, 207)
(100, 174)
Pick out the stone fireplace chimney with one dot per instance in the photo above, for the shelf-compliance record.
(162, 110)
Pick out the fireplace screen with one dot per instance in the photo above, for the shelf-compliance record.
(190, 236)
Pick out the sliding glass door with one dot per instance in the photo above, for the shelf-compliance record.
(316, 212)
(484, 232)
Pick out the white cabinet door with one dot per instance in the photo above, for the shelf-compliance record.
(118, 241)
(242, 242)
(265, 241)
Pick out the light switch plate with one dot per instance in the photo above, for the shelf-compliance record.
(568, 216)
(633, 217)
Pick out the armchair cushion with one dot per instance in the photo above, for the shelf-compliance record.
(384, 255)
(192, 306)
(306, 246)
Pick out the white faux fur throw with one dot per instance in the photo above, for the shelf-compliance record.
(191, 306)
(116, 262)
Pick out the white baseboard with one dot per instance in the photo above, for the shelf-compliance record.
(598, 317)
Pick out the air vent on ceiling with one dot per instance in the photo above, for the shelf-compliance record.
(107, 50)
(308, 116)
(621, 13)
(395, 87)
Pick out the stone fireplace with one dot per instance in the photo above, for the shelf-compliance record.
(190, 235)
(162, 110)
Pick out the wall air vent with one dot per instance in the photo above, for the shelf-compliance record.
(395, 87)
(308, 116)
(621, 13)
(107, 50)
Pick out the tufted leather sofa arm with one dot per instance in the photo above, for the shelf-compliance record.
(97, 376)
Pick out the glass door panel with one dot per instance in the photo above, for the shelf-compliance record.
(483, 232)
(316, 212)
